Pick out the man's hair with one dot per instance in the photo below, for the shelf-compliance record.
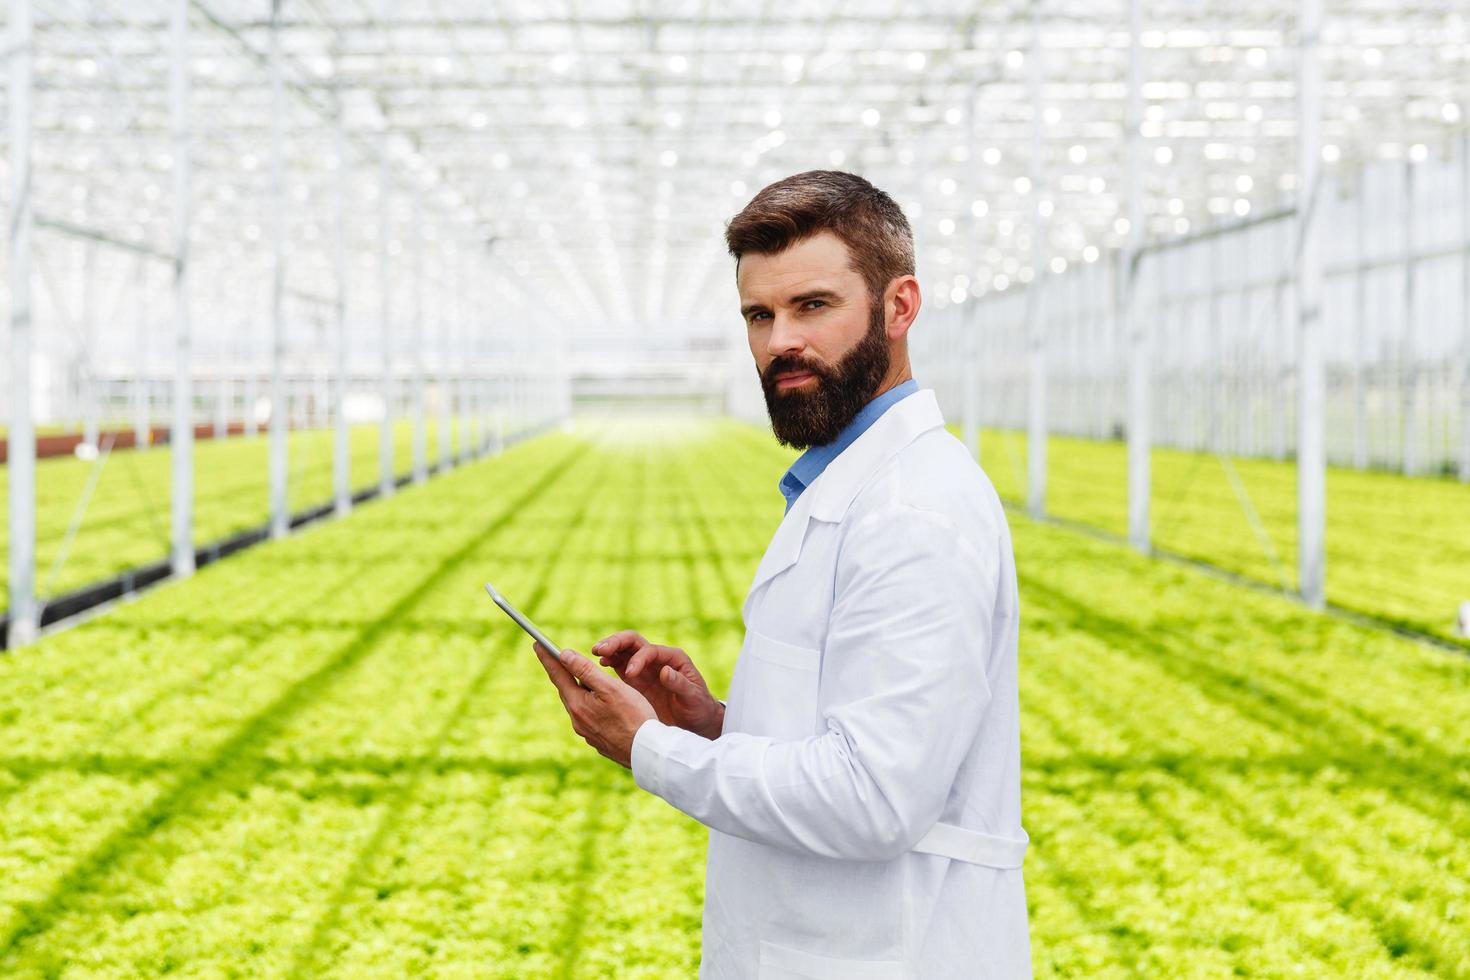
(868, 221)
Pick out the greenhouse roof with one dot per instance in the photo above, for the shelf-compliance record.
(581, 159)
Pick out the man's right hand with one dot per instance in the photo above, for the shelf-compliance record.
(667, 678)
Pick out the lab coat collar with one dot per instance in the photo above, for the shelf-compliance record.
(850, 471)
(828, 498)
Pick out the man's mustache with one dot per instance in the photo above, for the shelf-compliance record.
(786, 364)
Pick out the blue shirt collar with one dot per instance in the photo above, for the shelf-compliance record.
(810, 464)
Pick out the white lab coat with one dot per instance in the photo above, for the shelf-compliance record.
(864, 800)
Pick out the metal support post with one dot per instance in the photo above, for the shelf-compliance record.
(1409, 377)
(1212, 347)
(21, 448)
(470, 404)
(1131, 320)
(970, 321)
(386, 475)
(463, 421)
(416, 345)
(142, 394)
(88, 374)
(1311, 461)
(279, 418)
(491, 404)
(222, 402)
(1360, 333)
(1285, 305)
(252, 395)
(181, 436)
(491, 407)
(321, 400)
(446, 391)
(342, 449)
(1035, 317)
(222, 392)
(1465, 307)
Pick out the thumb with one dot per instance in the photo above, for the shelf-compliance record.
(584, 670)
(676, 682)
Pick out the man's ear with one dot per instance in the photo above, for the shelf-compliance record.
(901, 303)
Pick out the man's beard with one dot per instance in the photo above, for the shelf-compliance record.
(801, 419)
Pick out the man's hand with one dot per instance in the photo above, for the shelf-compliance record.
(606, 712)
(667, 678)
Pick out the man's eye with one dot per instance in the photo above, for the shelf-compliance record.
(757, 316)
(818, 302)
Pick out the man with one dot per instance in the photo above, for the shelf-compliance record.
(863, 789)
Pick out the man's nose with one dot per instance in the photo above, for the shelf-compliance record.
(785, 337)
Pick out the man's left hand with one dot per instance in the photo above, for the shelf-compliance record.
(605, 711)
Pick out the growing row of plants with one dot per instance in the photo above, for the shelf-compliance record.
(125, 521)
(332, 756)
(1398, 548)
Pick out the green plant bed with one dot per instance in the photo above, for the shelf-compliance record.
(1398, 548)
(127, 520)
(332, 756)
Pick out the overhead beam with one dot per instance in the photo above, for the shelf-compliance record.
(75, 230)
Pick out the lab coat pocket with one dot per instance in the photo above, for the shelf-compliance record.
(777, 687)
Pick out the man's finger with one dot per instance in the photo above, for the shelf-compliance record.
(619, 664)
(584, 670)
(618, 660)
(560, 676)
(618, 642)
(642, 659)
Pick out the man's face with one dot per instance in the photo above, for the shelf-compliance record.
(819, 341)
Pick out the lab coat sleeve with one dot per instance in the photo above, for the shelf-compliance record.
(904, 692)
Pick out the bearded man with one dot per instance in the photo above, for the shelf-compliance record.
(862, 785)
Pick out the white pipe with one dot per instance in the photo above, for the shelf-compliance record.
(181, 437)
(21, 450)
(1311, 459)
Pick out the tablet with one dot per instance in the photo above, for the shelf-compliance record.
(521, 620)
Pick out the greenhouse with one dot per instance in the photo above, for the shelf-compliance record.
(321, 315)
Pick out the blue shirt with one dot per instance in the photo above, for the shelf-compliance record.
(810, 464)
